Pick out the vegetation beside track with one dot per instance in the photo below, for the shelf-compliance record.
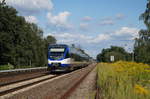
(10, 66)
(123, 80)
(6, 67)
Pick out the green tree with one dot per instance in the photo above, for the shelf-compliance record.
(142, 47)
(21, 43)
(142, 43)
(49, 40)
(146, 15)
(118, 52)
(8, 25)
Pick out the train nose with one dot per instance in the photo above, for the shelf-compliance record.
(56, 64)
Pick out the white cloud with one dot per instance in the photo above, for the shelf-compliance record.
(87, 18)
(70, 38)
(107, 21)
(64, 35)
(88, 39)
(133, 32)
(84, 26)
(112, 20)
(60, 20)
(31, 19)
(99, 38)
(31, 6)
(120, 16)
(119, 37)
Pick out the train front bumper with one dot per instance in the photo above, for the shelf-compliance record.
(58, 66)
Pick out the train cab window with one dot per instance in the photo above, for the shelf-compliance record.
(67, 54)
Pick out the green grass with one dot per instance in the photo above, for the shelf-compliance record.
(6, 67)
(9, 67)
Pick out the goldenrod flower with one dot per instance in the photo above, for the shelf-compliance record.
(140, 90)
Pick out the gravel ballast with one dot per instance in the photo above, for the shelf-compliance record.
(87, 88)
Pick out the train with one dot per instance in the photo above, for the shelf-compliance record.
(62, 57)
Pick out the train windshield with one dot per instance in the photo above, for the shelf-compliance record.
(57, 53)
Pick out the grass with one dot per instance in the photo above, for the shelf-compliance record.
(123, 80)
(9, 67)
(6, 67)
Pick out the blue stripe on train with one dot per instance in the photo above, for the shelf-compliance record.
(63, 65)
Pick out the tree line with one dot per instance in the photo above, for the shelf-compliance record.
(141, 51)
(21, 43)
(119, 53)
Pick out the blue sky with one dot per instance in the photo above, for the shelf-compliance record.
(90, 24)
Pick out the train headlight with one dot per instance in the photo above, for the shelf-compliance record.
(49, 62)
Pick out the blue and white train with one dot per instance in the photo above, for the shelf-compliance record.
(63, 57)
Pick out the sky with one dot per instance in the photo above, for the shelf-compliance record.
(89, 24)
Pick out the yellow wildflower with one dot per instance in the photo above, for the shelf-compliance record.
(140, 90)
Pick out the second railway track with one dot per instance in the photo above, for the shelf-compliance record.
(8, 88)
(7, 80)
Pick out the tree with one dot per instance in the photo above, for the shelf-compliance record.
(8, 26)
(21, 43)
(146, 15)
(49, 40)
(142, 47)
(142, 44)
(118, 52)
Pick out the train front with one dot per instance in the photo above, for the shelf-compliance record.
(58, 58)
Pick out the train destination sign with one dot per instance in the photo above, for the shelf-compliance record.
(57, 50)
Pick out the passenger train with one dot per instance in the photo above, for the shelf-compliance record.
(62, 57)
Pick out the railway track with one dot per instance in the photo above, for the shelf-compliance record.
(41, 86)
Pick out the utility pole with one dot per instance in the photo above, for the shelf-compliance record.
(30, 63)
(133, 56)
